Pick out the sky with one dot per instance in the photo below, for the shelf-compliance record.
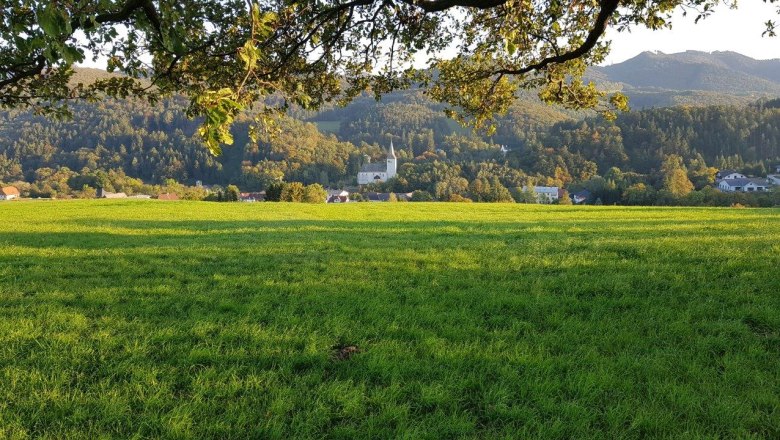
(737, 30)
(725, 30)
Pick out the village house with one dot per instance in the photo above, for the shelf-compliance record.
(580, 197)
(103, 194)
(167, 196)
(337, 196)
(743, 185)
(9, 193)
(545, 194)
(729, 175)
(379, 172)
(252, 196)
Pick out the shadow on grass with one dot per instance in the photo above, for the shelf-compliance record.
(464, 328)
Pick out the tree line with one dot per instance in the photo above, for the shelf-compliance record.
(652, 156)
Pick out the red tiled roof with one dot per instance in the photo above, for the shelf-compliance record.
(168, 196)
(9, 191)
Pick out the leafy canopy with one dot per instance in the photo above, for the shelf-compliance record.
(229, 56)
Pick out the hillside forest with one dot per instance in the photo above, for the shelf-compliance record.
(652, 156)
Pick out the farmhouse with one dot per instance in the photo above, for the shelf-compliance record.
(743, 185)
(580, 197)
(167, 196)
(103, 194)
(774, 179)
(545, 194)
(252, 196)
(379, 172)
(337, 196)
(9, 193)
(729, 175)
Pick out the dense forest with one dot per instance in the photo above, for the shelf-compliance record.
(135, 142)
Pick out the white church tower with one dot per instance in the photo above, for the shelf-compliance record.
(379, 172)
(392, 162)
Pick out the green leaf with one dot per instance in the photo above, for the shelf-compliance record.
(71, 55)
(53, 21)
(177, 46)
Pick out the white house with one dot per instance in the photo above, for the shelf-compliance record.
(777, 169)
(9, 193)
(580, 197)
(337, 196)
(773, 179)
(379, 172)
(545, 194)
(743, 185)
(729, 175)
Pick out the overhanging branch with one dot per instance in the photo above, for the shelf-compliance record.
(608, 8)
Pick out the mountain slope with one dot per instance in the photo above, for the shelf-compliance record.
(692, 77)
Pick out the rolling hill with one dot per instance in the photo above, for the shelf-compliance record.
(655, 79)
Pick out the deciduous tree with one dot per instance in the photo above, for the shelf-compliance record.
(230, 55)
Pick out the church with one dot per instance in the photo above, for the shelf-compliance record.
(379, 172)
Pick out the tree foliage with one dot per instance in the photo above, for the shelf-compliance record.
(229, 56)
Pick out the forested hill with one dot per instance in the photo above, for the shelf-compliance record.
(547, 144)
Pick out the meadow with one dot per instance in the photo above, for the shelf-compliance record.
(146, 319)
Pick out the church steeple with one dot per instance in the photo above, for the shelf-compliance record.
(392, 164)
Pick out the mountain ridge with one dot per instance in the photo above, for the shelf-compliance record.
(726, 73)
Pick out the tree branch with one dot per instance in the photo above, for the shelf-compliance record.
(608, 8)
(442, 5)
(40, 63)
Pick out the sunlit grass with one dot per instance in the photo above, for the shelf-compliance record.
(193, 320)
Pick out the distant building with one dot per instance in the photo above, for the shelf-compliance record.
(379, 172)
(9, 193)
(729, 175)
(252, 196)
(580, 197)
(504, 150)
(743, 185)
(167, 196)
(140, 196)
(384, 197)
(777, 169)
(774, 179)
(545, 194)
(337, 196)
(103, 194)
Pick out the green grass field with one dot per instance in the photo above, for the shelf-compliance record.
(147, 319)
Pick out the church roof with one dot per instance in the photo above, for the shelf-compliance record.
(379, 167)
